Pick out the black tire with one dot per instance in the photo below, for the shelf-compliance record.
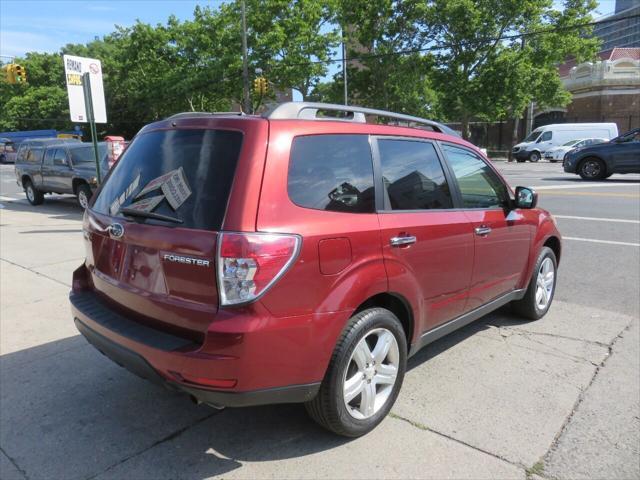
(528, 307)
(2, 159)
(534, 156)
(592, 169)
(83, 194)
(329, 408)
(34, 196)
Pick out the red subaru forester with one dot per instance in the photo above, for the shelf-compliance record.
(302, 255)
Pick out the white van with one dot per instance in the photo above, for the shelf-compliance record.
(549, 136)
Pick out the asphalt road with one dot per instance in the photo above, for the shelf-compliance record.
(556, 398)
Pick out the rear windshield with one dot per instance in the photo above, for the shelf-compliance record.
(85, 155)
(184, 175)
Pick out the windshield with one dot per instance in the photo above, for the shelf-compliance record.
(572, 142)
(185, 175)
(533, 136)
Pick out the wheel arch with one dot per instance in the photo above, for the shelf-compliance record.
(396, 304)
(76, 182)
(554, 244)
(592, 157)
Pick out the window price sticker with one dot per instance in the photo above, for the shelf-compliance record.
(176, 189)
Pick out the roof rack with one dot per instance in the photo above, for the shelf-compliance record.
(203, 114)
(309, 111)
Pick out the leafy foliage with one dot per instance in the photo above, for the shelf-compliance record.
(445, 59)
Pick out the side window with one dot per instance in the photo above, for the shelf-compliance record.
(60, 157)
(546, 136)
(48, 156)
(479, 185)
(412, 175)
(332, 172)
(35, 154)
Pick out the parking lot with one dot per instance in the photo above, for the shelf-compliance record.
(556, 398)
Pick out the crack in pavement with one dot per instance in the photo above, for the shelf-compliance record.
(28, 269)
(425, 428)
(582, 395)
(167, 438)
(549, 350)
(14, 463)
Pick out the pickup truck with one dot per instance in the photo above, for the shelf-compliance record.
(59, 168)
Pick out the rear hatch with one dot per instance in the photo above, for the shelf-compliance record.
(151, 233)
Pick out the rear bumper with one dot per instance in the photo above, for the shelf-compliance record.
(245, 359)
(137, 364)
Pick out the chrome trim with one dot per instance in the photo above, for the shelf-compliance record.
(400, 241)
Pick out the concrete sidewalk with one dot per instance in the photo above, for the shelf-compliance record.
(556, 398)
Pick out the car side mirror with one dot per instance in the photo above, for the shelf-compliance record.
(526, 198)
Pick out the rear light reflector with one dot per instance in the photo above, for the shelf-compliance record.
(250, 263)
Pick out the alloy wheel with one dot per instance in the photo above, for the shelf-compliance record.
(371, 373)
(31, 195)
(592, 168)
(545, 282)
(82, 199)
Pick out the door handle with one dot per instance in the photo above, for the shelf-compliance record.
(401, 241)
(483, 230)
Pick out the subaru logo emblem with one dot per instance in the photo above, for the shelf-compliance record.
(116, 230)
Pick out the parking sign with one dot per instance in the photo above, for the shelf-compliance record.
(74, 68)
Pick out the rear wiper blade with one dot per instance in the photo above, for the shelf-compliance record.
(157, 216)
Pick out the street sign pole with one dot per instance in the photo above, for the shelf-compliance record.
(88, 101)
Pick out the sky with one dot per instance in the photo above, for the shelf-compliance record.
(47, 25)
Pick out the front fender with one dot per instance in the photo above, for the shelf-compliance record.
(546, 229)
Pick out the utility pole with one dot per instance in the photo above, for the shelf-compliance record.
(344, 71)
(245, 65)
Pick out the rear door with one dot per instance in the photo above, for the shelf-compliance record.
(427, 244)
(502, 236)
(153, 228)
(60, 173)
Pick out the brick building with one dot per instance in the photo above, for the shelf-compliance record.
(606, 90)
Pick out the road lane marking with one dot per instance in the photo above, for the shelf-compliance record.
(609, 242)
(585, 185)
(598, 219)
(554, 193)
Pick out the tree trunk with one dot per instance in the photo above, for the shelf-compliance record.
(514, 136)
(464, 125)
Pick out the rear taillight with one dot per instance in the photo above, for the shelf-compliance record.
(249, 263)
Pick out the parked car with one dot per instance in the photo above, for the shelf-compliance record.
(59, 167)
(7, 151)
(596, 162)
(286, 258)
(544, 138)
(557, 154)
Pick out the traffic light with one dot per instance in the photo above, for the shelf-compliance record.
(14, 73)
(8, 73)
(260, 85)
(20, 73)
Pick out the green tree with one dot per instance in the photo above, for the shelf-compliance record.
(482, 75)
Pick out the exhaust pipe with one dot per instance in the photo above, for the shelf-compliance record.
(197, 401)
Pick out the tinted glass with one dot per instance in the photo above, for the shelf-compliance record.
(332, 172)
(191, 170)
(35, 154)
(412, 175)
(83, 155)
(60, 157)
(479, 185)
(546, 136)
(48, 156)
